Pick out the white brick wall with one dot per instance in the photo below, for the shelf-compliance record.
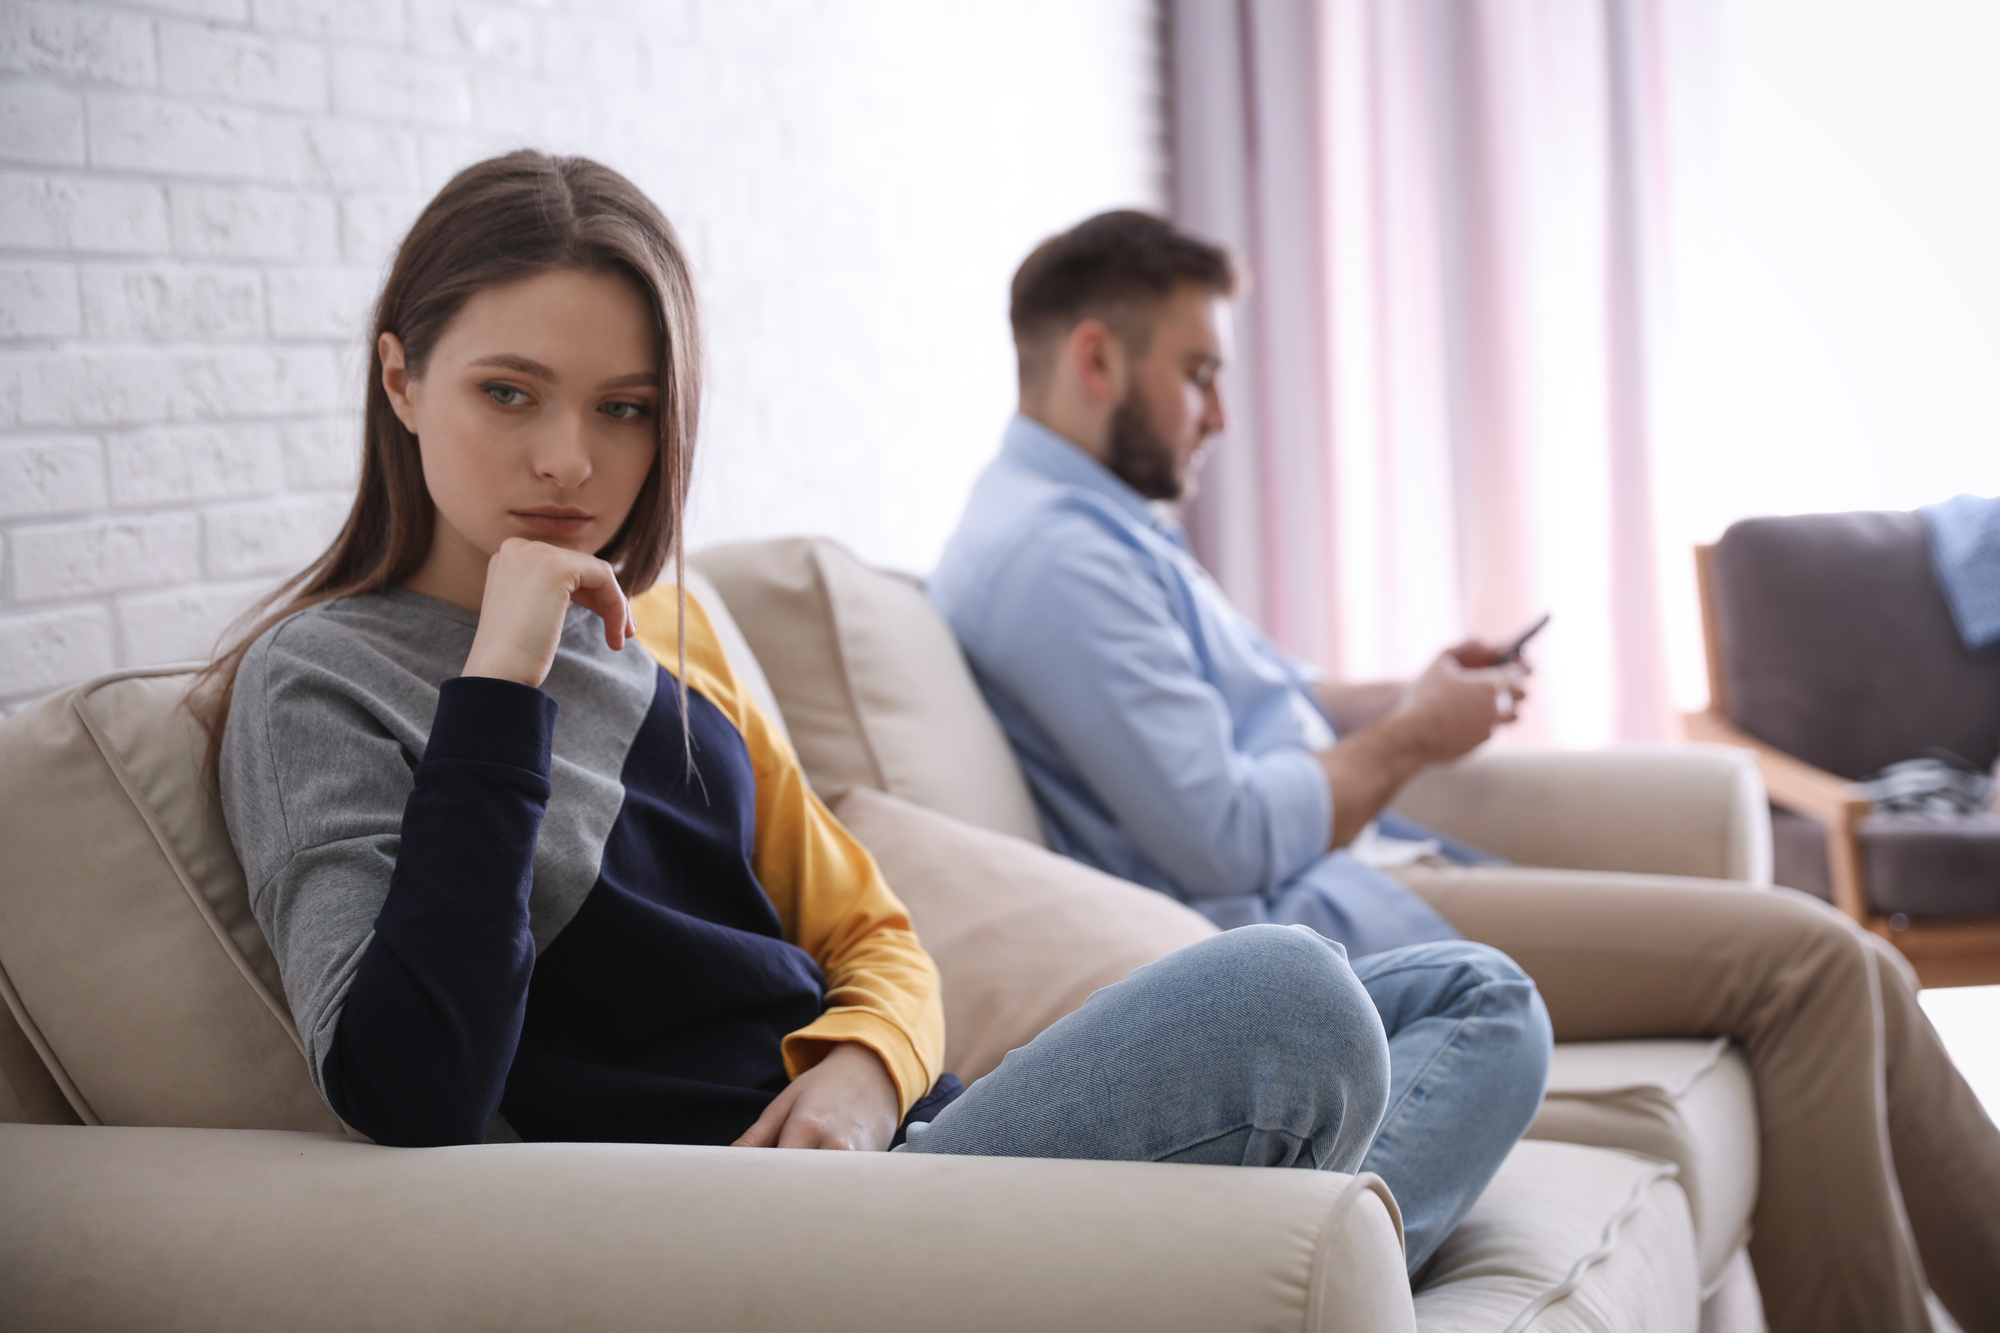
(197, 199)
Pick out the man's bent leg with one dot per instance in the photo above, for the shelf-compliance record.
(1256, 1047)
(1797, 985)
(1940, 1138)
(1468, 1058)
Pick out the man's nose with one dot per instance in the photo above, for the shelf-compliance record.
(1212, 420)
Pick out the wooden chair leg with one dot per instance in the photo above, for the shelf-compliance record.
(1843, 859)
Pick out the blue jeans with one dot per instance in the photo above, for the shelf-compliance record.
(1262, 1047)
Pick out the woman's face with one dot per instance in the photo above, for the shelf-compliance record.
(536, 416)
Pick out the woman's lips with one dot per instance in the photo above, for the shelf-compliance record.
(556, 522)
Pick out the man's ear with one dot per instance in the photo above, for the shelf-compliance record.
(396, 381)
(1098, 360)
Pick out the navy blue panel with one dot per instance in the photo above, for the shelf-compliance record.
(657, 1014)
(429, 1027)
(942, 1094)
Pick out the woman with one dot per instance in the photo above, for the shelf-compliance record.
(522, 880)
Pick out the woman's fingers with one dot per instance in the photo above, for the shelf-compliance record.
(768, 1126)
(597, 590)
(529, 587)
(846, 1101)
(803, 1131)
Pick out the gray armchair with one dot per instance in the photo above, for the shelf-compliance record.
(1832, 654)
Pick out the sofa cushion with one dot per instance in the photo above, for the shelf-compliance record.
(1918, 865)
(1691, 1103)
(1922, 866)
(29, 1094)
(126, 937)
(871, 681)
(1021, 936)
(749, 672)
(1567, 1238)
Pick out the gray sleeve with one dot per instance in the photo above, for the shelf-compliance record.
(314, 777)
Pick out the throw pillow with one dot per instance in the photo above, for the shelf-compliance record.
(1021, 936)
(871, 681)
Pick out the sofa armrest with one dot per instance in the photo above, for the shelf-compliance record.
(1662, 810)
(241, 1229)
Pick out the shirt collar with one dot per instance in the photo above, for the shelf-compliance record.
(1030, 444)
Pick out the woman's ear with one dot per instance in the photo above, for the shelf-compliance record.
(396, 381)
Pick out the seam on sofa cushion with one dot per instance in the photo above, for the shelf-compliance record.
(1709, 1060)
(80, 703)
(1605, 1247)
(71, 1093)
(1721, 1279)
(1365, 1181)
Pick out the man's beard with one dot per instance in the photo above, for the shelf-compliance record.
(1140, 455)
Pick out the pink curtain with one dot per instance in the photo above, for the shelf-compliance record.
(1439, 414)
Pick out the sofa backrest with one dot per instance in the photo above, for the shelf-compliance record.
(130, 957)
(1837, 646)
(130, 961)
(139, 989)
(871, 681)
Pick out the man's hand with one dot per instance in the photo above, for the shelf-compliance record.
(845, 1101)
(1452, 709)
(1475, 654)
(1448, 711)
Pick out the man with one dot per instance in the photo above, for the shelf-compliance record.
(1168, 741)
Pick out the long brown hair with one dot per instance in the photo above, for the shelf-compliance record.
(497, 222)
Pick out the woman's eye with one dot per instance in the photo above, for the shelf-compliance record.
(506, 394)
(623, 411)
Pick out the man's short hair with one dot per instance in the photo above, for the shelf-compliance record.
(1118, 267)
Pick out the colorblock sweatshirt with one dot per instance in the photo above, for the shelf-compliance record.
(490, 900)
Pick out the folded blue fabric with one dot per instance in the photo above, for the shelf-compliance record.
(1965, 556)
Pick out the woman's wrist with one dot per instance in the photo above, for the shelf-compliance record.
(500, 664)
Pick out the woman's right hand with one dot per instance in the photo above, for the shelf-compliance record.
(529, 587)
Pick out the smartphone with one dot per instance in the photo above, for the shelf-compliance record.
(1515, 649)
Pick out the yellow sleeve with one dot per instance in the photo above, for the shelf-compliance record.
(881, 987)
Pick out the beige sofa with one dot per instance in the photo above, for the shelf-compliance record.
(165, 1164)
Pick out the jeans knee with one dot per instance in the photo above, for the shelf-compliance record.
(1301, 1011)
(1483, 986)
(1287, 967)
(1523, 1020)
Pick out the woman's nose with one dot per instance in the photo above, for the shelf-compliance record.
(562, 454)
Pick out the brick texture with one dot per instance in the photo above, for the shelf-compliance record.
(198, 199)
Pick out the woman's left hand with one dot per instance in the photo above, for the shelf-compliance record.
(845, 1101)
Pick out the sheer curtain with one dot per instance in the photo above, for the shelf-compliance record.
(1440, 411)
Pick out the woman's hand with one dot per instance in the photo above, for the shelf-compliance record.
(529, 585)
(845, 1101)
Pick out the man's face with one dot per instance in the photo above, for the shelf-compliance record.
(1171, 406)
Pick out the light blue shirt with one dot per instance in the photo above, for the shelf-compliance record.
(1165, 738)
